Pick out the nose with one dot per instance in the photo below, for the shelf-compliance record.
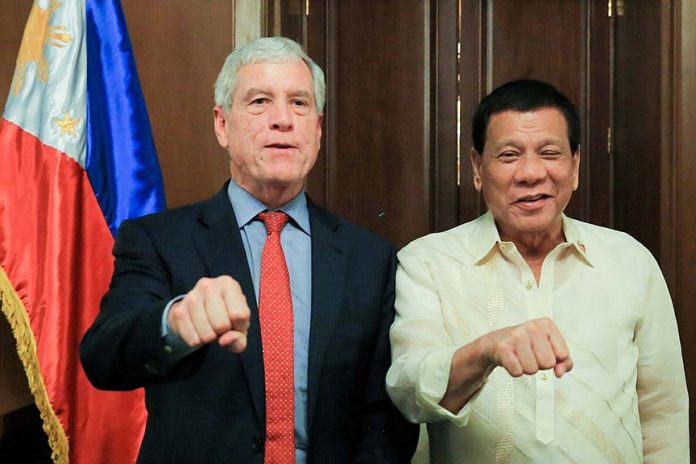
(531, 169)
(281, 117)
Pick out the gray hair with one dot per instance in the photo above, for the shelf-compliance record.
(265, 50)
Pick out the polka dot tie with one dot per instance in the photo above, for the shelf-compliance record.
(275, 316)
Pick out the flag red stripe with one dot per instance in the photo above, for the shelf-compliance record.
(55, 247)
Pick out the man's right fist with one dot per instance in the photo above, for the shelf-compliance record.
(528, 347)
(215, 309)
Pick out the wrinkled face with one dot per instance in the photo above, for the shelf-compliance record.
(526, 172)
(272, 131)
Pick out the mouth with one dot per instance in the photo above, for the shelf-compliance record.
(531, 201)
(280, 146)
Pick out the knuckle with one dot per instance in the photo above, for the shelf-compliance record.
(192, 299)
(505, 349)
(514, 370)
(178, 313)
(229, 283)
(191, 339)
(204, 283)
(534, 325)
(518, 335)
(241, 345)
(207, 337)
(562, 352)
(246, 312)
(240, 313)
(221, 326)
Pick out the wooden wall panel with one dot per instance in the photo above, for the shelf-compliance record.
(684, 190)
(537, 39)
(446, 150)
(543, 40)
(377, 145)
(564, 43)
(179, 48)
(314, 28)
(472, 87)
(12, 21)
(638, 123)
(598, 101)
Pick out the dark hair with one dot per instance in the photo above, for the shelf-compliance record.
(524, 95)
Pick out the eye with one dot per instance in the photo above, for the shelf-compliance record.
(508, 156)
(260, 101)
(551, 153)
(300, 103)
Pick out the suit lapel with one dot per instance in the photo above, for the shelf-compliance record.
(222, 251)
(329, 260)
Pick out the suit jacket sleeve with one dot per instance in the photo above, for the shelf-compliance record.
(388, 438)
(123, 349)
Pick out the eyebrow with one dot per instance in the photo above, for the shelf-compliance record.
(513, 143)
(254, 91)
(257, 90)
(301, 93)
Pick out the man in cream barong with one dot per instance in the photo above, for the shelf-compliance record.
(528, 336)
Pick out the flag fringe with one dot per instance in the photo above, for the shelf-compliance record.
(13, 309)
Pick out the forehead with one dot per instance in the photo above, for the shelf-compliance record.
(542, 122)
(291, 75)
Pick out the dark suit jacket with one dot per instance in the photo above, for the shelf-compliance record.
(209, 407)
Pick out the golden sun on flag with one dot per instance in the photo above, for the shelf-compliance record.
(37, 35)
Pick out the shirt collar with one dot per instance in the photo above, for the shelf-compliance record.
(573, 236)
(485, 240)
(247, 207)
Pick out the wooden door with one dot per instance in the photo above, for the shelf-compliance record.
(404, 78)
(374, 168)
(626, 65)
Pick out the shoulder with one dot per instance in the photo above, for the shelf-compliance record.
(613, 249)
(606, 239)
(182, 220)
(452, 243)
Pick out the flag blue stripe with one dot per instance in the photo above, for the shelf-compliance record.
(121, 161)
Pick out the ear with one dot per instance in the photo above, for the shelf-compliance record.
(220, 126)
(320, 121)
(576, 169)
(476, 168)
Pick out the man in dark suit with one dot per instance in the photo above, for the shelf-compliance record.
(256, 321)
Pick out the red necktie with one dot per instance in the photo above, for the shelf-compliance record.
(275, 316)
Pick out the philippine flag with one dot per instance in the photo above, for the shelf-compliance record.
(76, 159)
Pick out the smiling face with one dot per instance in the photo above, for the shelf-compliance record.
(272, 131)
(527, 172)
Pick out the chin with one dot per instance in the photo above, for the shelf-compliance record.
(282, 182)
(536, 227)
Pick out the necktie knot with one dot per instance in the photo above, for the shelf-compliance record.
(274, 221)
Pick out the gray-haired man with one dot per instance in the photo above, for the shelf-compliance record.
(255, 343)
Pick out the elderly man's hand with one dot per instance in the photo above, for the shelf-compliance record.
(215, 309)
(527, 348)
(522, 349)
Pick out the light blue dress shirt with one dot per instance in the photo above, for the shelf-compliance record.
(295, 239)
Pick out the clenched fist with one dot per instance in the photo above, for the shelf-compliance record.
(215, 309)
(522, 349)
(527, 348)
